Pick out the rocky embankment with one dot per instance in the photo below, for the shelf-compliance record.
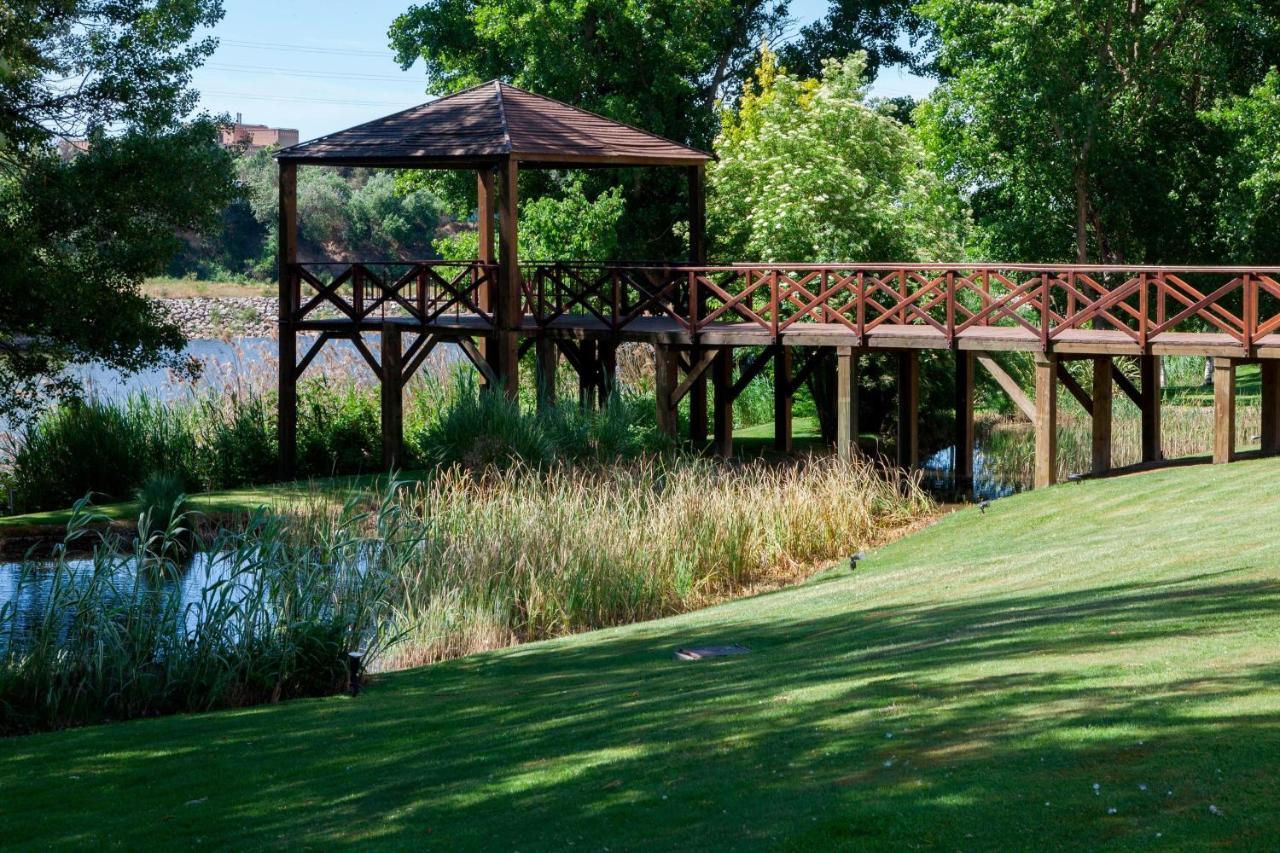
(224, 317)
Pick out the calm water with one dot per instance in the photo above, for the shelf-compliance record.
(26, 592)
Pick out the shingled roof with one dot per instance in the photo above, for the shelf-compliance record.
(489, 122)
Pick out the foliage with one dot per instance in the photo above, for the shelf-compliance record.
(1076, 125)
(161, 498)
(272, 618)
(877, 28)
(807, 171)
(82, 233)
(1249, 210)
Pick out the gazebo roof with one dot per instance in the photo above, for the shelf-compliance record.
(490, 122)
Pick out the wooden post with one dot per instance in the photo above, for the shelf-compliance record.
(722, 381)
(608, 373)
(588, 381)
(698, 257)
(287, 356)
(962, 441)
(548, 358)
(392, 398)
(1149, 368)
(846, 402)
(507, 309)
(1103, 389)
(1270, 379)
(1046, 422)
(1224, 410)
(484, 247)
(908, 408)
(782, 399)
(665, 378)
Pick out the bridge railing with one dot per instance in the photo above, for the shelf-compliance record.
(424, 291)
(1142, 305)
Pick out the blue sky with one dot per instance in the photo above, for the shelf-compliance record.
(323, 65)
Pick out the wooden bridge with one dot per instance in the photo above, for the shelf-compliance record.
(700, 318)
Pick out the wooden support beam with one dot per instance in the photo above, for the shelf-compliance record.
(1224, 410)
(1270, 380)
(588, 376)
(1126, 385)
(548, 359)
(782, 399)
(697, 373)
(846, 402)
(963, 439)
(507, 313)
(608, 352)
(665, 366)
(1046, 420)
(1103, 395)
(1008, 384)
(1149, 368)
(477, 359)
(722, 382)
(908, 409)
(392, 387)
(485, 206)
(1069, 382)
(698, 256)
(287, 386)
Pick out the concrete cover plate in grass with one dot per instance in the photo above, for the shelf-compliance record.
(704, 652)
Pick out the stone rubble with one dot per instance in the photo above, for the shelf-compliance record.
(208, 318)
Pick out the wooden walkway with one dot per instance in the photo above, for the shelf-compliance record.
(696, 317)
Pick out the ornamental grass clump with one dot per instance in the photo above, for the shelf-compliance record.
(507, 556)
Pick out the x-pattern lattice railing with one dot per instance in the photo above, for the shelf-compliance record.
(422, 291)
(1143, 304)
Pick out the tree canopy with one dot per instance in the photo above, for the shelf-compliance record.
(808, 170)
(81, 232)
(1076, 125)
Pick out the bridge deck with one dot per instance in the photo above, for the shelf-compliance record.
(668, 330)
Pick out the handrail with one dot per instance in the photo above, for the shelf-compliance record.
(1046, 303)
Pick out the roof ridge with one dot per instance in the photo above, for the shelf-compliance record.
(640, 130)
(502, 113)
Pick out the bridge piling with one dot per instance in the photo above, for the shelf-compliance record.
(1149, 370)
(963, 439)
(722, 385)
(908, 409)
(1224, 410)
(846, 402)
(392, 393)
(1270, 380)
(1103, 390)
(1046, 422)
(783, 395)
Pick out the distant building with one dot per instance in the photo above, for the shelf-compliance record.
(69, 147)
(255, 137)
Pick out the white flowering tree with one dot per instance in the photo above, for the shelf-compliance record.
(808, 171)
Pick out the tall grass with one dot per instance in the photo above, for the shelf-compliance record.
(468, 559)
(516, 555)
(112, 637)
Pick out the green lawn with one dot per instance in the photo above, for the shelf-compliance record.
(998, 680)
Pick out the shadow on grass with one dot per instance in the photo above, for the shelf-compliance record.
(970, 724)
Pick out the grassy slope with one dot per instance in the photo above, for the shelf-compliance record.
(966, 687)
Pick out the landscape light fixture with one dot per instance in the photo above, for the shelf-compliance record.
(854, 558)
(983, 506)
(355, 663)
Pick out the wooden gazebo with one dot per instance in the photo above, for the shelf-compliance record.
(494, 129)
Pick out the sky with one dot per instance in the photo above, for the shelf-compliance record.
(323, 65)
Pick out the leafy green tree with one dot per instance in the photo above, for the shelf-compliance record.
(82, 232)
(878, 28)
(808, 170)
(1075, 124)
(1249, 208)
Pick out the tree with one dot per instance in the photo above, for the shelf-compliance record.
(1076, 124)
(81, 233)
(1249, 207)
(875, 27)
(809, 171)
